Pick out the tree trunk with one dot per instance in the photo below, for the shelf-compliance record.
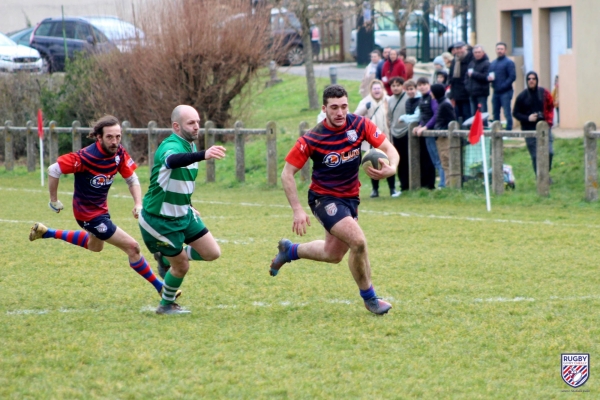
(311, 84)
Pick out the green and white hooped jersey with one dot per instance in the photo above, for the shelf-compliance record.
(171, 190)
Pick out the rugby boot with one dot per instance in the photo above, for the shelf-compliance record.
(37, 231)
(281, 257)
(162, 267)
(377, 306)
(171, 309)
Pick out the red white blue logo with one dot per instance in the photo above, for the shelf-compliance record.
(101, 180)
(332, 160)
(575, 368)
(377, 133)
(352, 136)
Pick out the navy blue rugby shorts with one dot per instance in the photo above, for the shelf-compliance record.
(101, 227)
(330, 210)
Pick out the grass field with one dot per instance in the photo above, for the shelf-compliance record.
(484, 303)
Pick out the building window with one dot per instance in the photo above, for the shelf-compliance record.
(518, 37)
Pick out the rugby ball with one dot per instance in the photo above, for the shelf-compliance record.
(374, 158)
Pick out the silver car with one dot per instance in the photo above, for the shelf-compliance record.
(15, 57)
(388, 35)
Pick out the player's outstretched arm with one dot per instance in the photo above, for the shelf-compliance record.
(217, 152)
(301, 219)
(179, 160)
(386, 170)
(54, 173)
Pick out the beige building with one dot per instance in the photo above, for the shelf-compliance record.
(16, 14)
(551, 37)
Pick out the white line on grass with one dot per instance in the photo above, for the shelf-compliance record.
(152, 308)
(383, 213)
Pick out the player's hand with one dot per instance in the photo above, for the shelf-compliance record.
(56, 206)
(136, 211)
(217, 152)
(385, 172)
(301, 220)
(195, 211)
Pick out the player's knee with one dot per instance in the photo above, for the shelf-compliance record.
(132, 249)
(359, 245)
(337, 258)
(213, 254)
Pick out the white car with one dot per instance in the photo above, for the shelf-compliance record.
(15, 57)
(388, 35)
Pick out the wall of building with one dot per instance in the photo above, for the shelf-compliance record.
(16, 13)
(579, 84)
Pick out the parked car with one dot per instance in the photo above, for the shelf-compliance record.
(80, 36)
(388, 35)
(286, 35)
(122, 33)
(21, 36)
(15, 57)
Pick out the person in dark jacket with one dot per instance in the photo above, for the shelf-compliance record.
(476, 81)
(444, 115)
(502, 75)
(535, 104)
(384, 57)
(457, 73)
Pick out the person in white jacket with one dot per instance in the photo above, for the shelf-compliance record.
(370, 74)
(375, 107)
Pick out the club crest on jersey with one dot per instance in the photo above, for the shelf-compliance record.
(332, 160)
(352, 136)
(331, 209)
(101, 180)
(117, 160)
(101, 228)
(377, 133)
(575, 368)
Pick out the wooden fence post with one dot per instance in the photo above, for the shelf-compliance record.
(591, 162)
(543, 158)
(497, 158)
(305, 171)
(52, 143)
(76, 136)
(271, 153)
(30, 135)
(9, 156)
(414, 158)
(240, 152)
(126, 135)
(454, 170)
(209, 140)
(152, 144)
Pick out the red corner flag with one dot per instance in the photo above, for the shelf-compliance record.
(476, 128)
(40, 124)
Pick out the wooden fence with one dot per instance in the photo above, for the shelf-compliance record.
(208, 134)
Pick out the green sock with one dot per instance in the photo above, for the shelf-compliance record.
(192, 254)
(165, 261)
(170, 288)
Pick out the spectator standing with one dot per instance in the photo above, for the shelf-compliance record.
(384, 57)
(476, 81)
(535, 104)
(428, 109)
(502, 75)
(399, 128)
(391, 68)
(375, 108)
(457, 74)
(409, 64)
(444, 115)
(370, 74)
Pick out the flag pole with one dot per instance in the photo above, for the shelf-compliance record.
(40, 127)
(485, 174)
(42, 160)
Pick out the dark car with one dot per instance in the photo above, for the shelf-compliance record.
(79, 35)
(285, 31)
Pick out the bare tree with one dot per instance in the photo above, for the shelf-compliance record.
(401, 19)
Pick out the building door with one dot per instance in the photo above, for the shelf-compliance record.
(560, 37)
(522, 38)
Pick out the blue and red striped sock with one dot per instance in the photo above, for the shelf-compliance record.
(293, 252)
(143, 268)
(78, 238)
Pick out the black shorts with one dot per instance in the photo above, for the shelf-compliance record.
(101, 227)
(330, 210)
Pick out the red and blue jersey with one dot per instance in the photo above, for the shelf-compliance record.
(336, 155)
(94, 172)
